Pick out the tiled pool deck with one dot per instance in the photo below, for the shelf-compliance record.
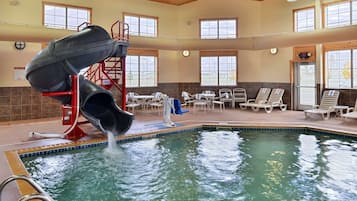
(14, 135)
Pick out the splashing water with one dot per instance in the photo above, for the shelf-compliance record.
(113, 149)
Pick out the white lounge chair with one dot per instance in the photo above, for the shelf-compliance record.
(351, 112)
(275, 100)
(262, 97)
(328, 102)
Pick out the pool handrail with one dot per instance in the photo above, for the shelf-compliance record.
(42, 195)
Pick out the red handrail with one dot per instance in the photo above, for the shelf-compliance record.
(123, 31)
(84, 23)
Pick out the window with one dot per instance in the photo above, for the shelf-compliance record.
(341, 67)
(64, 16)
(219, 69)
(338, 65)
(218, 29)
(141, 25)
(141, 70)
(304, 20)
(341, 14)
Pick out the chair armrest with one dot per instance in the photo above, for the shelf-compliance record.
(331, 108)
(250, 100)
(264, 102)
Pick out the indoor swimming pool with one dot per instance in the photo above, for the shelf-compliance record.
(232, 164)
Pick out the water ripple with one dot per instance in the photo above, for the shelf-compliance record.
(214, 165)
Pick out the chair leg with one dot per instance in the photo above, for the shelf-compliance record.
(255, 109)
(327, 116)
(283, 107)
(268, 109)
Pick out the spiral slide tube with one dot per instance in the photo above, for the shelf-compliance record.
(50, 71)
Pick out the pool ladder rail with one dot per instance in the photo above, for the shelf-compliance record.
(42, 195)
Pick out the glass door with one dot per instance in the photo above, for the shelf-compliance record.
(305, 83)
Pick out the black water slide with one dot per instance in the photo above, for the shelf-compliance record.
(50, 70)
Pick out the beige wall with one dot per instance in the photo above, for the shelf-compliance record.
(255, 19)
(168, 66)
(10, 58)
(189, 67)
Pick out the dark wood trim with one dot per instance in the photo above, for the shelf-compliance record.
(143, 52)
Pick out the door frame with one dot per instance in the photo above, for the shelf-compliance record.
(293, 88)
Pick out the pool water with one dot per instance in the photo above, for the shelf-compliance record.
(206, 165)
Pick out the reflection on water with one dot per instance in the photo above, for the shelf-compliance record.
(217, 161)
(209, 165)
(340, 171)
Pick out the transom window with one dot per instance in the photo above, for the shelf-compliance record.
(341, 14)
(304, 20)
(341, 68)
(65, 16)
(141, 71)
(218, 70)
(218, 28)
(141, 25)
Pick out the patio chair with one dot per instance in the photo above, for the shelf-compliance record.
(239, 95)
(157, 102)
(226, 95)
(131, 103)
(262, 97)
(275, 100)
(187, 98)
(200, 102)
(328, 102)
(351, 112)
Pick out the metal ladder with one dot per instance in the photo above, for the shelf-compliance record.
(42, 195)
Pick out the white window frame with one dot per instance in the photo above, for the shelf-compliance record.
(143, 68)
(348, 68)
(302, 18)
(62, 20)
(140, 25)
(215, 71)
(350, 15)
(215, 29)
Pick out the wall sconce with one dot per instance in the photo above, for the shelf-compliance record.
(186, 53)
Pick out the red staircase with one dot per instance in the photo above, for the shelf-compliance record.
(111, 72)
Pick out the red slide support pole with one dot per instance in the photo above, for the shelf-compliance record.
(123, 88)
(74, 132)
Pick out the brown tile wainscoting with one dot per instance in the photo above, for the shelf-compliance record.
(347, 97)
(22, 103)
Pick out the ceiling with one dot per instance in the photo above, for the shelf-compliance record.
(174, 2)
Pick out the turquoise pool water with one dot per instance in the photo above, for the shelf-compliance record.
(206, 165)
